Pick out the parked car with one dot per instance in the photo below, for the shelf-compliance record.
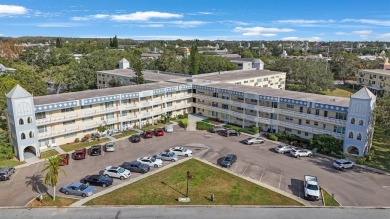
(342, 164)
(228, 160)
(217, 128)
(150, 161)
(135, 138)
(6, 173)
(254, 141)
(79, 154)
(98, 180)
(231, 132)
(77, 188)
(181, 151)
(311, 188)
(136, 166)
(147, 134)
(168, 128)
(159, 132)
(283, 148)
(95, 150)
(117, 172)
(110, 146)
(301, 153)
(167, 155)
(64, 159)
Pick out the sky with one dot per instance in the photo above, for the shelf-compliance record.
(312, 20)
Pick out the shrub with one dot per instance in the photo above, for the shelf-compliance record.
(272, 137)
(256, 130)
(361, 160)
(203, 126)
(184, 122)
(208, 120)
(239, 129)
(87, 136)
(77, 140)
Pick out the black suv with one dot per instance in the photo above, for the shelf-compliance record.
(135, 138)
(229, 160)
(136, 166)
(95, 150)
(6, 173)
(231, 132)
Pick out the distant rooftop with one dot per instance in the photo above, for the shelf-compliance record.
(227, 76)
(377, 71)
(149, 75)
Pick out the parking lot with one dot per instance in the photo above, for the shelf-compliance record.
(356, 187)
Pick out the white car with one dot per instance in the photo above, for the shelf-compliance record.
(110, 146)
(283, 148)
(254, 141)
(301, 153)
(151, 161)
(168, 128)
(116, 172)
(181, 151)
(343, 164)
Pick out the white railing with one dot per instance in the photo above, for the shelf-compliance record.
(56, 119)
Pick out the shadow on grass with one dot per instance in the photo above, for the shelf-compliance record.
(165, 184)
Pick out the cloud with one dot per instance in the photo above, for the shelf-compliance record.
(301, 39)
(384, 36)
(233, 22)
(261, 31)
(59, 25)
(369, 21)
(362, 32)
(91, 17)
(12, 10)
(152, 25)
(144, 16)
(301, 21)
(341, 33)
(186, 24)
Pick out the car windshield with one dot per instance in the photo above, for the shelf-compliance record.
(121, 170)
(228, 158)
(312, 187)
(280, 146)
(339, 162)
(153, 159)
(101, 177)
(184, 149)
(82, 187)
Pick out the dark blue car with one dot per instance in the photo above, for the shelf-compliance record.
(98, 180)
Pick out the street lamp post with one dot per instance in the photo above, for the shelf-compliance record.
(188, 176)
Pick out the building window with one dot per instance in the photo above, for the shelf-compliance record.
(289, 118)
(225, 106)
(301, 109)
(324, 126)
(361, 122)
(109, 104)
(274, 104)
(308, 122)
(41, 115)
(29, 120)
(326, 113)
(69, 135)
(110, 115)
(341, 116)
(339, 129)
(359, 137)
(169, 104)
(290, 106)
(67, 110)
(239, 108)
(21, 122)
(316, 123)
(353, 121)
(42, 129)
(287, 130)
(306, 134)
(350, 135)
(23, 136)
(86, 107)
(299, 132)
(69, 122)
(308, 111)
(31, 134)
(87, 118)
(317, 112)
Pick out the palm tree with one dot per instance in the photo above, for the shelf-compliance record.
(165, 118)
(53, 169)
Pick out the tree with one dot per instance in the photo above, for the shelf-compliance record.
(247, 54)
(28, 79)
(165, 118)
(382, 113)
(194, 60)
(114, 83)
(6, 84)
(6, 149)
(53, 169)
(115, 42)
(10, 49)
(326, 143)
(137, 67)
(61, 76)
(58, 43)
(167, 60)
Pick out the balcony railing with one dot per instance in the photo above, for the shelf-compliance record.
(56, 119)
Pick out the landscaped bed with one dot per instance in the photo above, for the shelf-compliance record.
(10, 162)
(78, 145)
(125, 134)
(49, 153)
(329, 201)
(47, 201)
(151, 127)
(165, 187)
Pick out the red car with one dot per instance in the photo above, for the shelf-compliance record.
(147, 134)
(79, 154)
(159, 132)
(64, 159)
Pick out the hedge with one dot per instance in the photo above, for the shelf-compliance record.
(239, 129)
(203, 126)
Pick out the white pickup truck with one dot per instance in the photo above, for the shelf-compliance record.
(311, 188)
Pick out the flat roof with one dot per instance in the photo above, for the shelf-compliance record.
(54, 98)
(318, 98)
(149, 75)
(236, 75)
(377, 71)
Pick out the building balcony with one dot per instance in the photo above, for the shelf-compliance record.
(99, 111)
(323, 131)
(130, 106)
(327, 119)
(56, 119)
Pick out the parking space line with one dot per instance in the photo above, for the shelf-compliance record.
(245, 169)
(262, 173)
(280, 180)
(36, 167)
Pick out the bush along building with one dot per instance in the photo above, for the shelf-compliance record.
(244, 97)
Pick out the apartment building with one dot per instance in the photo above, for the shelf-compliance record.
(377, 80)
(244, 98)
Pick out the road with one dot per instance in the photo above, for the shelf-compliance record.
(189, 212)
(355, 187)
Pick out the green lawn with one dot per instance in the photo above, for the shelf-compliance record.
(125, 134)
(165, 187)
(328, 199)
(381, 145)
(48, 202)
(49, 153)
(340, 91)
(10, 163)
(151, 127)
(75, 146)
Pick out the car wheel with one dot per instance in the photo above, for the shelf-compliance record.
(104, 185)
(250, 143)
(122, 178)
(155, 165)
(282, 152)
(310, 155)
(186, 155)
(84, 195)
(173, 160)
(66, 193)
(297, 156)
